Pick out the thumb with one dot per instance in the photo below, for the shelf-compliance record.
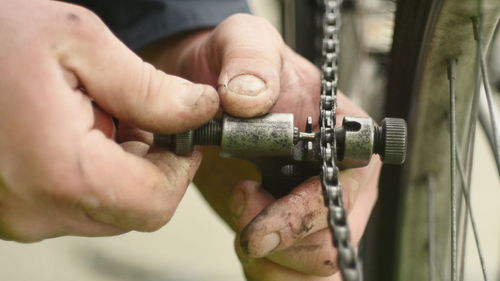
(132, 90)
(247, 200)
(248, 51)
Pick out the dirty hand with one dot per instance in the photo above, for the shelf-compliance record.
(286, 239)
(61, 172)
(255, 72)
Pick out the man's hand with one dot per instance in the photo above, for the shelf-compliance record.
(255, 72)
(61, 172)
(288, 238)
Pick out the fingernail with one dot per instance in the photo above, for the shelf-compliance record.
(237, 204)
(244, 258)
(194, 93)
(269, 243)
(246, 85)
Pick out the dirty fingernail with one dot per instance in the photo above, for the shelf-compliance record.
(269, 243)
(244, 258)
(195, 94)
(246, 85)
(237, 205)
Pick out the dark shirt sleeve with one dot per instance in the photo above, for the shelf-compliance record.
(140, 22)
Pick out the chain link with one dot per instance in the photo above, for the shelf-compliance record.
(332, 192)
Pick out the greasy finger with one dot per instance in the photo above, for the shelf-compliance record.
(127, 191)
(130, 89)
(315, 254)
(266, 270)
(295, 216)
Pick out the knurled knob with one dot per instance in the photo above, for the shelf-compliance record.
(184, 143)
(394, 135)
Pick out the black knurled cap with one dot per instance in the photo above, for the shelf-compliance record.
(394, 135)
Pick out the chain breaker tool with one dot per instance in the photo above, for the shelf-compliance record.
(286, 157)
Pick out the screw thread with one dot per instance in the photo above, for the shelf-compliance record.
(209, 134)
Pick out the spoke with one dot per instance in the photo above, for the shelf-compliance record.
(469, 156)
(453, 149)
(484, 119)
(471, 214)
(477, 27)
(469, 153)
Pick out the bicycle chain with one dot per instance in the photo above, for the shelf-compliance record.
(332, 192)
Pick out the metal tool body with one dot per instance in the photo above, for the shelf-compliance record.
(284, 155)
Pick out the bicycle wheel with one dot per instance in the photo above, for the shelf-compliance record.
(410, 222)
(435, 60)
